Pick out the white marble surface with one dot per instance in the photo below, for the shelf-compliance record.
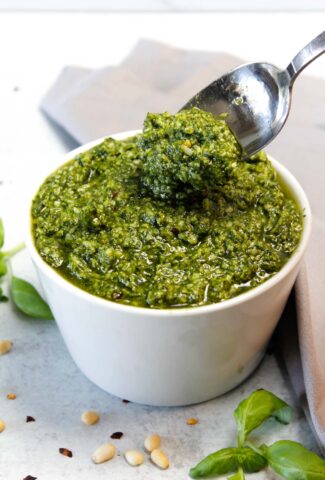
(50, 388)
(38, 369)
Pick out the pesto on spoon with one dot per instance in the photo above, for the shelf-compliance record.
(256, 97)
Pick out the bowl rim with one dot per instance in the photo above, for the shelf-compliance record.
(289, 180)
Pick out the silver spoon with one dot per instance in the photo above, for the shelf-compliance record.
(256, 97)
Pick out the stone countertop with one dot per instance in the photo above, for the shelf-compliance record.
(39, 370)
(50, 388)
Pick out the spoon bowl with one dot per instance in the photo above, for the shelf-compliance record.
(256, 97)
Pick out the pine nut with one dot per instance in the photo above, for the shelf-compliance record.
(11, 396)
(2, 426)
(159, 458)
(134, 457)
(104, 453)
(89, 417)
(5, 346)
(152, 442)
(192, 421)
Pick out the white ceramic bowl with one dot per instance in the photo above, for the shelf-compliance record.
(176, 356)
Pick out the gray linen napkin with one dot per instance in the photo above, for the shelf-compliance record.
(155, 77)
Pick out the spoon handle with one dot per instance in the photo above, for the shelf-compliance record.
(311, 51)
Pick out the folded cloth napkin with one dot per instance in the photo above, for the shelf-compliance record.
(155, 77)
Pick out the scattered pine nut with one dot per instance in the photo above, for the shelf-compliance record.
(11, 396)
(159, 458)
(66, 452)
(192, 421)
(5, 346)
(117, 435)
(152, 442)
(134, 457)
(103, 453)
(30, 419)
(90, 417)
(2, 426)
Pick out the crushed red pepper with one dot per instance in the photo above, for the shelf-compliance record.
(117, 435)
(66, 452)
(30, 419)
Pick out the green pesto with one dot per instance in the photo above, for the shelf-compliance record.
(172, 217)
(186, 154)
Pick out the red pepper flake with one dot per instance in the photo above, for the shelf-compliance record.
(117, 435)
(30, 419)
(30, 477)
(126, 401)
(66, 452)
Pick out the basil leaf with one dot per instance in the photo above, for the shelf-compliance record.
(2, 233)
(293, 461)
(228, 460)
(3, 267)
(238, 476)
(3, 297)
(28, 300)
(257, 408)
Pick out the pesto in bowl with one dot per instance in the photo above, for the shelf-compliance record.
(172, 217)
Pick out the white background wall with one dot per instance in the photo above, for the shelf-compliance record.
(164, 5)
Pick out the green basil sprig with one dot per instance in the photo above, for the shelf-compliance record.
(287, 458)
(293, 461)
(23, 294)
(238, 476)
(3, 298)
(2, 233)
(28, 300)
(258, 407)
(3, 267)
(228, 460)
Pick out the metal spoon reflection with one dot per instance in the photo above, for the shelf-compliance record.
(256, 97)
